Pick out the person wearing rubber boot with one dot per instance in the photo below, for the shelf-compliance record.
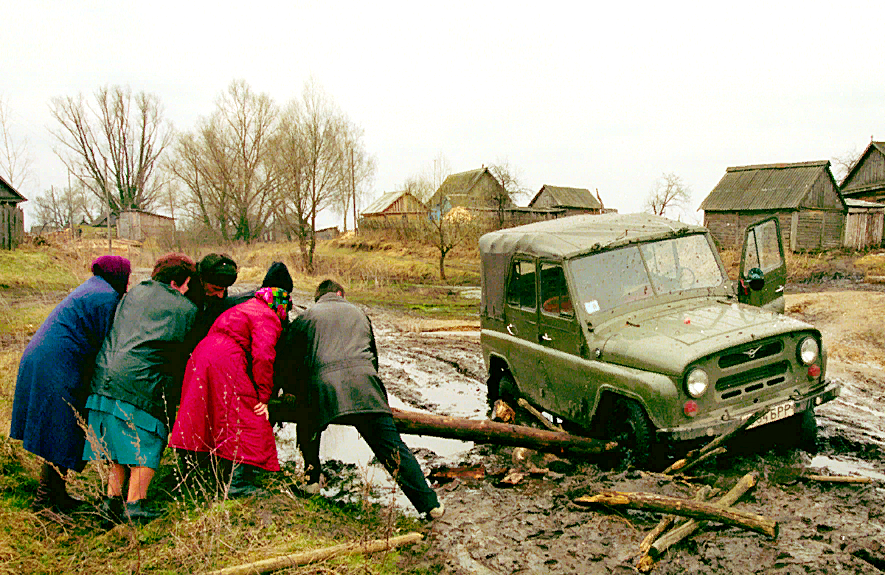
(54, 376)
(333, 371)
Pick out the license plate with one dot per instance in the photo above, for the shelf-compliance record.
(776, 413)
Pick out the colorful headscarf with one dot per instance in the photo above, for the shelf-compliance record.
(277, 299)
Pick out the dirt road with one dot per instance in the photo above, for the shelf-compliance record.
(534, 528)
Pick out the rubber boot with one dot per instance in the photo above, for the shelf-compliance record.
(140, 512)
(52, 491)
(242, 481)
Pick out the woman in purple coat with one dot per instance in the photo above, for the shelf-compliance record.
(54, 374)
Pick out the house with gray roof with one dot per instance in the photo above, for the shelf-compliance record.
(567, 201)
(476, 190)
(12, 218)
(866, 178)
(804, 196)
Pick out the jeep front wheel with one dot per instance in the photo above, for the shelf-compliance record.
(630, 427)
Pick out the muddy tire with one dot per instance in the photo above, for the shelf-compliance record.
(501, 386)
(630, 427)
(806, 431)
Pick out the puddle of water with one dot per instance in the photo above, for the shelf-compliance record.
(343, 443)
(853, 467)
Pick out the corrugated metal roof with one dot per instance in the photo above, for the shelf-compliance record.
(8, 193)
(564, 197)
(764, 187)
(383, 202)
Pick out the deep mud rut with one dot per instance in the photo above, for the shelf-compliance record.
(534, 527)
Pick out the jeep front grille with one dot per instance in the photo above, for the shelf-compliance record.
(751, 353)
(753, 380)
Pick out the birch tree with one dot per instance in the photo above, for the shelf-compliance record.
(15, 157)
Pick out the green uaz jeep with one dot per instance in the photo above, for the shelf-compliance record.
(628, 326)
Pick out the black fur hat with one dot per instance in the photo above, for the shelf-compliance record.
(218, 269)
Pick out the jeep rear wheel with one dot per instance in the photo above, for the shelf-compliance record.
(630, 427)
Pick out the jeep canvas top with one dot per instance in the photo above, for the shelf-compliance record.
(628, 325)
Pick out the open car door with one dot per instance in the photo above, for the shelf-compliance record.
(763, 273)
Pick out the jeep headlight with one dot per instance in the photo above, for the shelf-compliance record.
(808, 351)
(696, 382)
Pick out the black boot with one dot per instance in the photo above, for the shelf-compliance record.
(242, 481)
(140, 512)
(111, 509)
(52, 491)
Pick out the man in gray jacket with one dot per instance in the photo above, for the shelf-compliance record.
(335, 371)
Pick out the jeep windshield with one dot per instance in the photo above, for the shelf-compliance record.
(609, 279)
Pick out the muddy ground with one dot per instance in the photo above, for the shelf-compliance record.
(533, 527)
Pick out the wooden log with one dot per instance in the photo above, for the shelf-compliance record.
(700, 459)
(837, 478)
(702, 494)
(283, 561)
(683, 507)
(478, 431)
(485, 431)
(676, 535)
(719, 440)
(538, 415)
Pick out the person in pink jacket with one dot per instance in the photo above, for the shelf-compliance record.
(227, 384)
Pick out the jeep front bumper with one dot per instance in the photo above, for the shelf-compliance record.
(712, 428)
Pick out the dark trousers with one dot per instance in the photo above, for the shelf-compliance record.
(383, 438)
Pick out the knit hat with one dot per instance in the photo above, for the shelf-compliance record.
(278, 276)
(113, 269)
(218, 269)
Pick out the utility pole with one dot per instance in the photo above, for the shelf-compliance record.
(107, 193)
(353, 188)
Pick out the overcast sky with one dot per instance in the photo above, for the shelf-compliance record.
(605, 96)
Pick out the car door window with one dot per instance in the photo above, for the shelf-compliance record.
(554, 292)
(521, 289)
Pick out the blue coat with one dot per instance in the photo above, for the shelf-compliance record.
(55, 372)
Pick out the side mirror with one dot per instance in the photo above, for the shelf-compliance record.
(756, 279)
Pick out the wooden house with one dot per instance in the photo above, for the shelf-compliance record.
(567, 201)
(392, 209)
(477, 190)
(804, 197)
(12, 218)
(139, 225)
(866, 179)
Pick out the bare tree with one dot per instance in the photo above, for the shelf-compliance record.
(502, 198)
(358, 168)
(669, 193)
(842, 164)
(321, 131)
(65, 207)
(446, 228)
(226, 165)
(15, 158)
(113, 147)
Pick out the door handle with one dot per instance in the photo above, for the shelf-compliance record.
(510, 329)
(545, 337)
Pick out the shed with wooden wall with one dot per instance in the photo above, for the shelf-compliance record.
(804, 197)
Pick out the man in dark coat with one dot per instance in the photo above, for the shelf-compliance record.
(335, 372)
(54, 374)
(217, 272)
